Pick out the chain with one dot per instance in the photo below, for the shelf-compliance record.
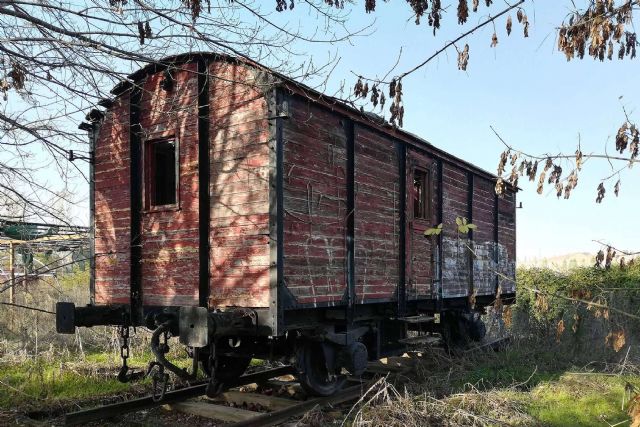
(124, 354)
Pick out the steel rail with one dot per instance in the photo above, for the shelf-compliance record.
(282, 415)
(198, 389)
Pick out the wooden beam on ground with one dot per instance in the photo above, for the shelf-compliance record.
(214, 411)
(271, 402)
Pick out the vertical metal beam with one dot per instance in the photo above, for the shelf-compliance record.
(470, 190)
(279, 99)
(93, 139)
(135, 147)
(440, 166)
(496, 238)
(204, 174)
(277, 290)
(401, 150)
(349, 130)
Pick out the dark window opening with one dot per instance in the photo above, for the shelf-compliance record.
(421, 194)
(161, 173)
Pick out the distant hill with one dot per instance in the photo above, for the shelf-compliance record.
(566, 261)
(560, 262)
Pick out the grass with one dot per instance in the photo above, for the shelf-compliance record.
(34, 383)
(578, 400)
(53, 382)
(548, 399)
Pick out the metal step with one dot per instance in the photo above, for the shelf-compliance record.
(417, 319)
(420, 340)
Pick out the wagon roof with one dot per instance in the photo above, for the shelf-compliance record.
(301, 89)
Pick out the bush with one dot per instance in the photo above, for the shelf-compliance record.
(585, 313)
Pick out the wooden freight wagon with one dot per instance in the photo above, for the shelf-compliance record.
(256, 217)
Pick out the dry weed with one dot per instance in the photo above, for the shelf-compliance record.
(384, 405)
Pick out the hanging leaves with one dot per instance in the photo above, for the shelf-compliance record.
(532, 170)
(513, 177)
(601, 192)
(622, 138)
(419, 8)
(572, 182)
(540, 188)
(579, 157)
(616, 188)
(463, 58)
(595, 31)
(369, 6)
(503, 161)
(494, 40)
(195, 6)
(611, 254)
(509, 25)
(435, 15)
(554, 176)
(374, 95)
(599, 259)
(141, 32)
(500, 186)
(475, 3)
(396, 109)
(463, 11)
(4, 89)
(18, 75)
(358, 89)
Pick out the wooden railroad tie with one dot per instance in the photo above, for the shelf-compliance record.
(256, 409)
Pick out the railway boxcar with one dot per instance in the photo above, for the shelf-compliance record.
(253, 216)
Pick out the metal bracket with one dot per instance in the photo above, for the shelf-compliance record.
(346, 338)
(194, 326)
(65, 318)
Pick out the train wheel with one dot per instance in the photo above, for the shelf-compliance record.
(476, 328)
(459, 329)
(455, 333)
(229, 367)
(315, 373)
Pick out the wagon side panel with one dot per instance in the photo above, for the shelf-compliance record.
(113, 206)
(456, 256)
(483, 236)
(377, 216)
(507, 242)
(315, 193)
(170, 242)
(239, 154)
(421, 170)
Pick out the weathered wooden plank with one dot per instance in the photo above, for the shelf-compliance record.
(212, 410)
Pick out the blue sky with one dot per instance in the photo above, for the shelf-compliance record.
(524, 88)
(531, 95)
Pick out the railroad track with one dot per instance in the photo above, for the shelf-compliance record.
(228, 406)
(264, 410)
